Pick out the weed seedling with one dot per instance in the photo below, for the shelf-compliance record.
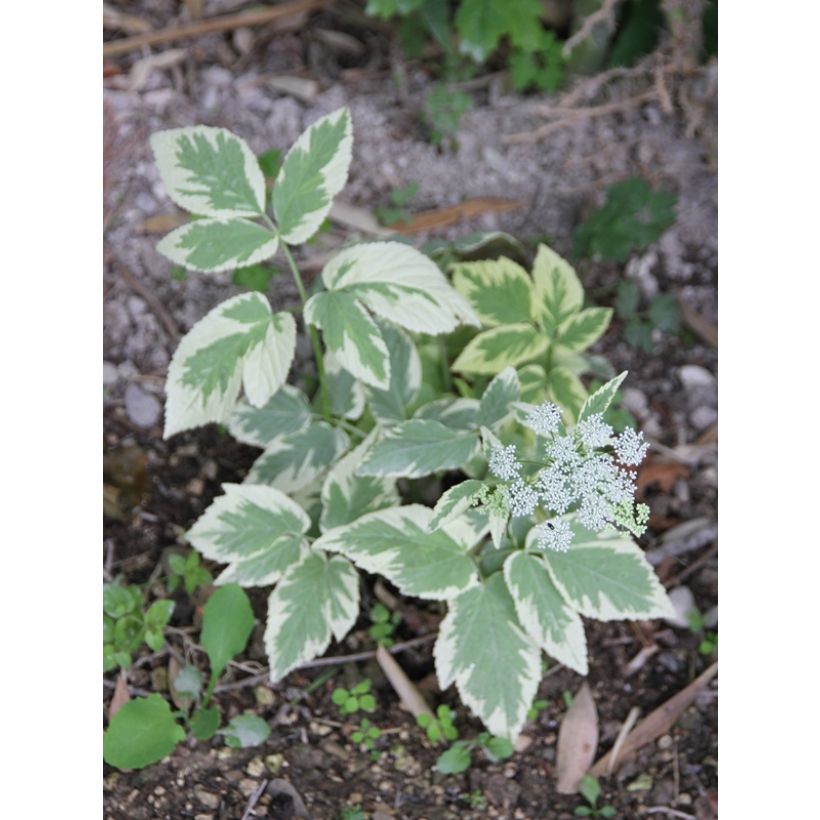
(366, 735)
(590, 790)
(384, 624)
(459, 757)
(443, 110)
(662, 313)
(441, 726)
(709, 640)
(537, 708)
(355, 699)
(474, 799)
(186, 570)
(396, 211)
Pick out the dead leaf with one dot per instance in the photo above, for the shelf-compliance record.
(302, 88)
(162, 223)
(442, 217)
(125, 479)
(656, 723)
(664, 474)
(142, 69)
(577, 741)
(121, 696)
(357, 219)
(704, 329)
(411, 698)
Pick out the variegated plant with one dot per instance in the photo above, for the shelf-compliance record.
(536, 323)
(322, 502)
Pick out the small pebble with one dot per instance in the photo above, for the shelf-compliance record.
(206, 798)
(665, 742)
(247, 786)
(256, 768)
(143, 409)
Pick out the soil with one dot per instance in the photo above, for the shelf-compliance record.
(156, 488)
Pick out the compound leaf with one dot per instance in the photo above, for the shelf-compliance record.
(313, 172)
(317, 598)
(209, 171)
(585, 328)
(500, 291)
(257, 530)
(397, 544)
(544, 614)
(558, 291)
(482, 648)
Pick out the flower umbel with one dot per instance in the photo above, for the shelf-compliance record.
(504, 462)
(544, 419)
(553, 535)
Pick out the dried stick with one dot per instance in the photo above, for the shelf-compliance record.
(254, 799)
(213, 25)
(604, 15)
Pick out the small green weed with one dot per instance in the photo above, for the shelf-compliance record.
(442, 112)
(709, 640)
(185, 570)
(662, 313)
(459, 757)
(474, 799)
(541, 68)
(590, 790)
(441, 726)
(384, 624)
(536, 709)
(355, 699)
(366, 735)
(396, 212)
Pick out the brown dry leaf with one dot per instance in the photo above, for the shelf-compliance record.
(303, 88)
(657, 723)
(162, 223)
(125, 478)
(410, 696)
(706, 331)
(357, 219)
(142, 69)
(577, 741)
(662, 473)
(121, 696)
(442, 217)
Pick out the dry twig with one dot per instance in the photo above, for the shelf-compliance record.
(605, 16)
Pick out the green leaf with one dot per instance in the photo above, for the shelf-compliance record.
(482, 648)
(227, 623)
(351, 335)
(347, 397)
(205, 722)
(255, 277)
(602, 398)
(627, 299)
(240, 342)
(455, 760)
(292, 462)
(590, 789)
(257, 530)
(119, 601)
(496, 402)
(347, 495)
(313, 172)
(606, 576)
(567, 391)
(492, 350)
(664, 313)
(638, 34)
(287, 411)
(215, 245)
(585, 328)
(188, 682)
(498, 748)
(158, 614)
(418, 448)
(500, 291)
(398, 283)
(482, 23)
(390, 405)
(632, 218)
(582, 811)
(270, 162)
(142, 732)
(316, 598)
(458, 414)
(607, 811)
(559, 294)
(245, 731)
(454, 502)
(209, 171)
(396, 543)
(543, 613)
(533, 379)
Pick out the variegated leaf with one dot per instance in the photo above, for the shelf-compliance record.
(285, 412)
(533, 380)
(214, 245)
(606, 576)
(544, 614)
(351, 335)
(418, 448)
(238, 341)
(400, 284)
(600, 400)
(291, 462)
(312, 173)
(209, 171)
(496, 402)
(396, 543)
(454, 502)
(316, 599)
(390, 406)
(347, 397)
(567, 391)
(459, 414)
(500, 291)
(585, 328)
(257, 530)
(558, 291)
(482, 648)
(346, 496)
(492, 350)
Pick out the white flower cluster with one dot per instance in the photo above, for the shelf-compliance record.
(580, 474)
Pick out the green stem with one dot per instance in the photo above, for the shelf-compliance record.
(312, 333)
(445, 365)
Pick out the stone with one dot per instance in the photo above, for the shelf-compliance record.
(256, 768)
(110, 374)
(700, 386)
(684, 603)
(143, 409)
(206, 798)
(703, 417)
